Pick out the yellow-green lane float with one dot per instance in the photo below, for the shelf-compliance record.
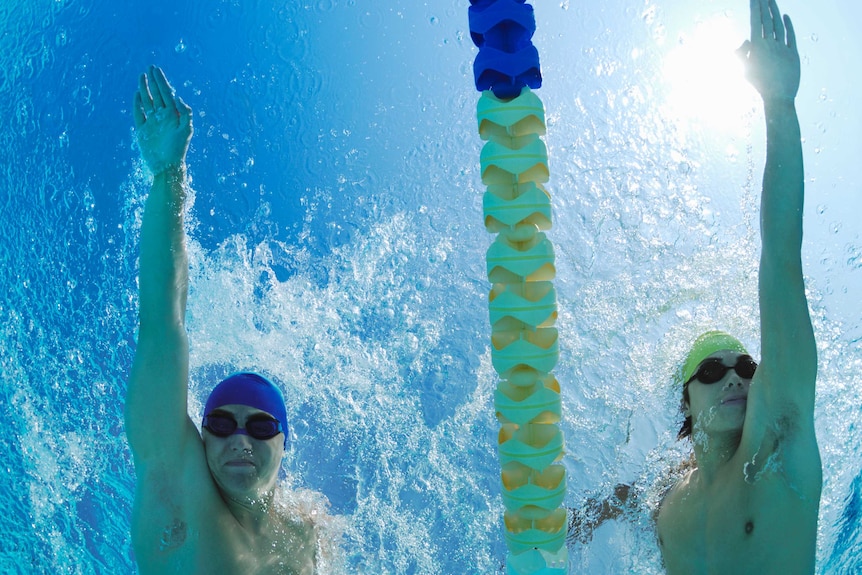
(522, 302)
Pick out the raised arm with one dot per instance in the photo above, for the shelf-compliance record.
(789, 357)
(157, 423)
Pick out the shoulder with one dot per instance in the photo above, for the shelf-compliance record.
(321, 533)
(674, 486)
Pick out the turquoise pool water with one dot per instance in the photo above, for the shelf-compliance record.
(337, 244)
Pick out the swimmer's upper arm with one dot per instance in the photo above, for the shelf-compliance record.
(156, 403)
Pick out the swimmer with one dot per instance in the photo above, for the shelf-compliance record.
(204, 503)
(748, 501)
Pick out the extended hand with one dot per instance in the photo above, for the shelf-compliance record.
(771, 58)
(163, 122)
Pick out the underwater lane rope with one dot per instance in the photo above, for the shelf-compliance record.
(522, 302)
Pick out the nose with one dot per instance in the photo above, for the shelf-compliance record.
(734, 381)
(240, 440)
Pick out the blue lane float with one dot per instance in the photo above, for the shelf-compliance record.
(504, 73)
(522, 303)
(507, 60)
(507, 24)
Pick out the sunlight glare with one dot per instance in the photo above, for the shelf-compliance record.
(706, 79)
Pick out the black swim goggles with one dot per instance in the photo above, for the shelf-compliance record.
(713, 369)
(256, 426)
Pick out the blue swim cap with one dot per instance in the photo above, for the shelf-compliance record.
(252, 390)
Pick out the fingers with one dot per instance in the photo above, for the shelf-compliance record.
(791, 33)
(155, 90)
(756, 19)
(777, 25)
(182, 108)
(145, 95)
(184, 111)
(767, 23)
(155, 97)
(165, 90)
(138, 110)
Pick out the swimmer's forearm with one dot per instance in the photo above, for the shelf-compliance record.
(783, 184)
(596, 511)
(164, 262)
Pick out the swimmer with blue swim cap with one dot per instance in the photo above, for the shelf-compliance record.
(206, 501)
(253, 390)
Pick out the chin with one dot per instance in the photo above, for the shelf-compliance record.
(251, 487)
(237, 485)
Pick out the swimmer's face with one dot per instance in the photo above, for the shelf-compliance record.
(243, 467)
(719, 406)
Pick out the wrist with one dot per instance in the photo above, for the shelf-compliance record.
(171, 173)
(779, 102)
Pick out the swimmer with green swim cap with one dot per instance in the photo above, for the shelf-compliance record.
(208, 501)
(704, 346)
(749, 502)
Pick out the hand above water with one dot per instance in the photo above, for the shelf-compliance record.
(771, 57)
(163, 122)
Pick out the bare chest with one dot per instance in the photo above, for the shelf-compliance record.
(695, 534)
(222, 546)
(281, 552)
(738, 528)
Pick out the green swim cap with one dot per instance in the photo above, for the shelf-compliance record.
(706, 345)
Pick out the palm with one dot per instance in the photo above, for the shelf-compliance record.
(772, 60)
(163, 124)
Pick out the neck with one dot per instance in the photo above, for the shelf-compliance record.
(714, 451)
(252, 513)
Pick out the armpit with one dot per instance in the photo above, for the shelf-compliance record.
(173, 536)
